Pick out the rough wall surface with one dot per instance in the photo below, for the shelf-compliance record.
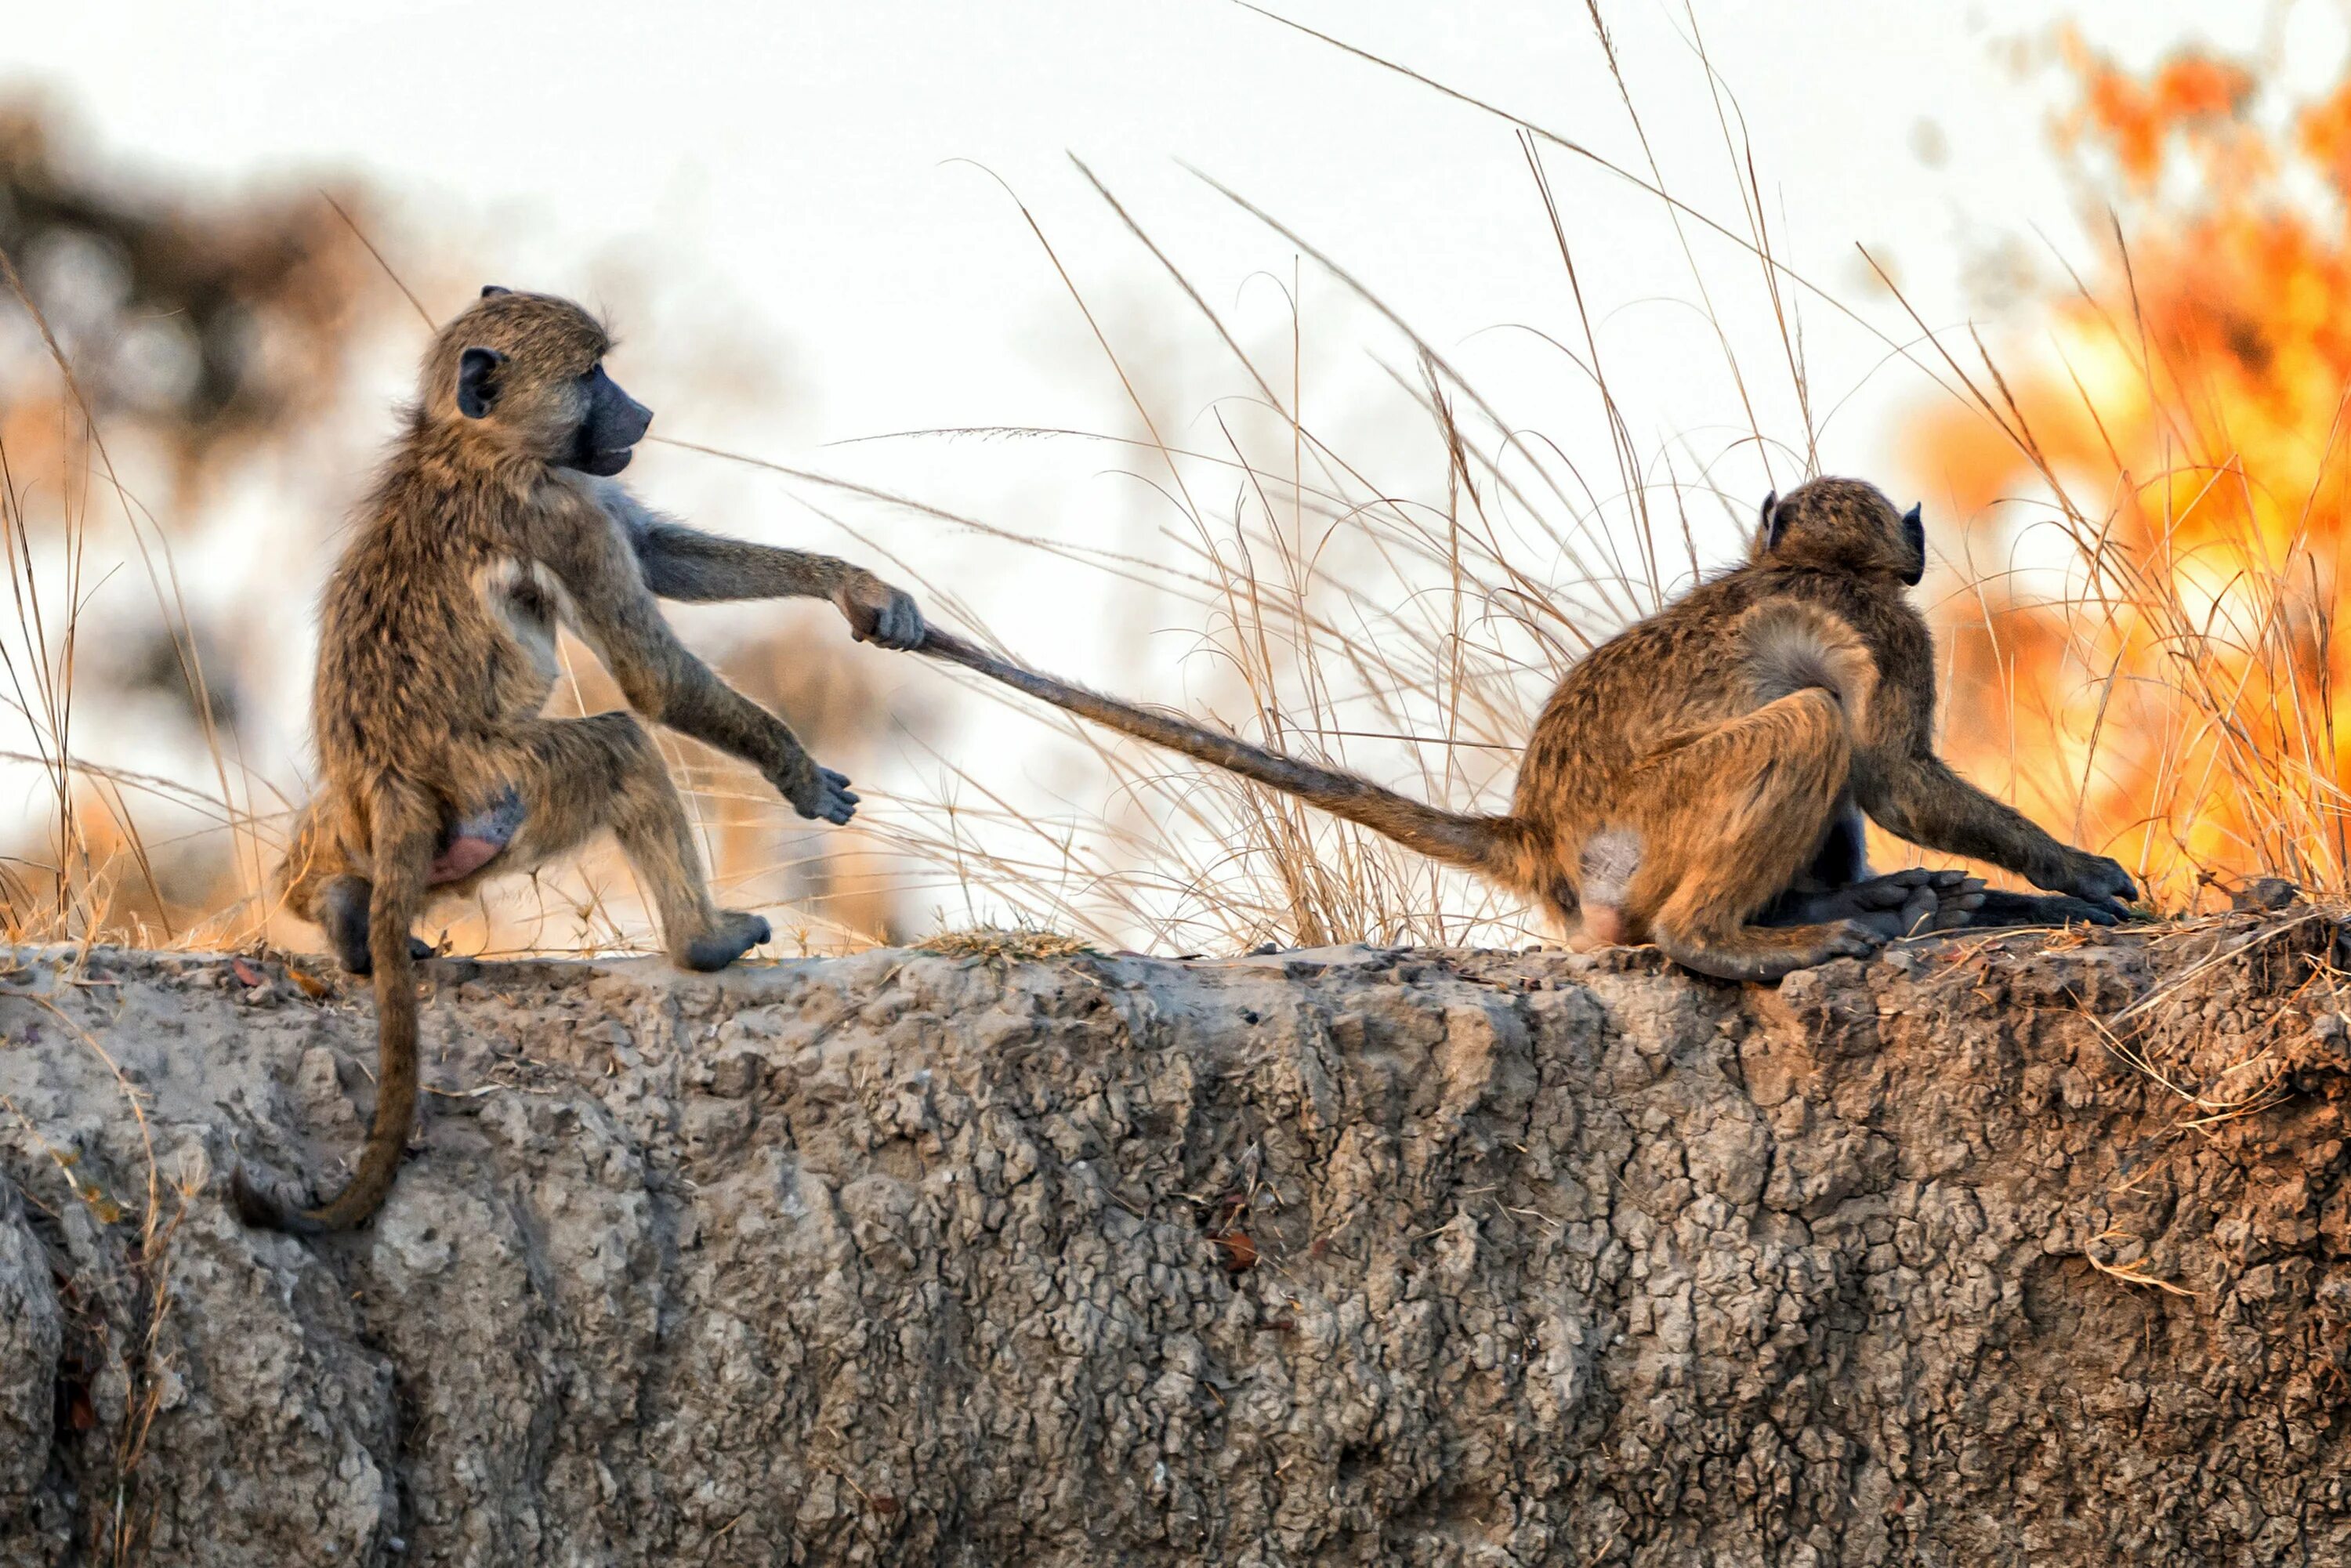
(1979, 1253)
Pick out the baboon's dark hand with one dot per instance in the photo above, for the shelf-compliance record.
(878, 613)
(2097, 880)
(2020, 909)
(822, 795)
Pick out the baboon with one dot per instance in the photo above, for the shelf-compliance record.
(1699, 780)
(496, 521)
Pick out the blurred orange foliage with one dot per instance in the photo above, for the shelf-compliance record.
(2153, 503)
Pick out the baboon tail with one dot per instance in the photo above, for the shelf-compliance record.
(405, 827)
(1792, 647)
(1495, 846)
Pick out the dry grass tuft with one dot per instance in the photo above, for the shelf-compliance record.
(1018, 946)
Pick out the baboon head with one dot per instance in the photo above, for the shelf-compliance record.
(1846, 525)
(526, 373)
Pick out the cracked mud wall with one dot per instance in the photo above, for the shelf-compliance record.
(1976, 1254)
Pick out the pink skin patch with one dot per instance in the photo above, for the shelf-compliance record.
(1604, 926)
(472, 842)
(462, 858)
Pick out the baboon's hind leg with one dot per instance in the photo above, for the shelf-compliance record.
(576, 775)
(1731, 818)
(342, 907)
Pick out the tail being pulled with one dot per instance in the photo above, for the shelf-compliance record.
(1496, 847)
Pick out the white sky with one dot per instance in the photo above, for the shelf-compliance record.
(806, 157)
(825, 180)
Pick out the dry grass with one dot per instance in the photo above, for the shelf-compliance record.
(1406, 631)
(2160, 492)
(100, 877)
(996, 942)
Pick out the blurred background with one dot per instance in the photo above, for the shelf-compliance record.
(1336, 372)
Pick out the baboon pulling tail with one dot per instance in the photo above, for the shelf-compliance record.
(497, 520)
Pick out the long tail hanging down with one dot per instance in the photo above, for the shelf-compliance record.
(404, 833)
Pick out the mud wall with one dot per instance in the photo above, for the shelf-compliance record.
(1979, 1253)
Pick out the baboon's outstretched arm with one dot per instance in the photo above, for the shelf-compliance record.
(613, 611)
(684, 563)
(1910, 792)
(1915, 797)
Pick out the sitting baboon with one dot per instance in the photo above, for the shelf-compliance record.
(1697, 780)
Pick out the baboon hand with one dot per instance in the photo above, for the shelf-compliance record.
(820, 794)
(880, 614)
(2093, 879)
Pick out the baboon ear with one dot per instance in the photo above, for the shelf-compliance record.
(1914, 534)
(1772, 523)
(491, 289)
(477, 382)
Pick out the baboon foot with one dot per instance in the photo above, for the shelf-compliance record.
(343, 911)
(1914, 903)
(734, 933)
